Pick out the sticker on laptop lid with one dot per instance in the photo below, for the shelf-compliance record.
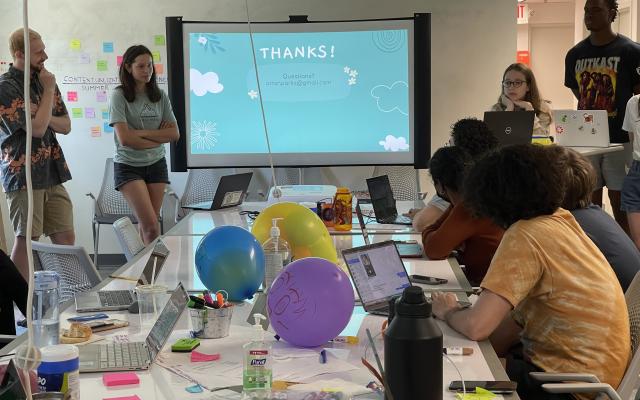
(231, 198)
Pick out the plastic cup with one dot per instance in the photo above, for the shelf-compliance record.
(211, 323)
(150, 302)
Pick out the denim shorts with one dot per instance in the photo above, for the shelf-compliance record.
(154, 173)
(630, 198)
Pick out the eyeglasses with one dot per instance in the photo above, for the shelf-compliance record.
(515, 84)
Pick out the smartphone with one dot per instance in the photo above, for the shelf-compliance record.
(427, 280)
(498, 387)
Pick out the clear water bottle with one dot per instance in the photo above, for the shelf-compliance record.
(46, 313)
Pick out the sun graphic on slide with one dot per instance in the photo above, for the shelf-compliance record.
(204, 134)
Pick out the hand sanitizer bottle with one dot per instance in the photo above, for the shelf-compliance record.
(256, 374)
(277, 254)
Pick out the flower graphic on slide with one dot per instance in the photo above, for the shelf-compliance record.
(352, 73)
(392, 143)
(351, 81)
(253, 94)
(204, 135)
(209, 41)
(202, 84)
(392, 98)
(346, 70)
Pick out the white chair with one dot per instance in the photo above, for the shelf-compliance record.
(72, 263)
(128, 237)
(403, 179)
(201, 186)
(588, 383)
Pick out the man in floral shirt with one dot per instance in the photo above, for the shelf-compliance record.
(52, 209)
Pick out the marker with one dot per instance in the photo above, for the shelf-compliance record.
(347, 339)
(458, 351)
(323, 357)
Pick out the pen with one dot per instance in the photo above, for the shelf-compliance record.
(347, 339)
(323, 357)
(458, 351)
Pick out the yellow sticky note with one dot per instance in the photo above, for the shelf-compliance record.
(480, 394)
(101, 65)
(156, 56)
(76, 112)
(75, 44)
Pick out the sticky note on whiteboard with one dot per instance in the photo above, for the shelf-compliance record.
(159, 69)
(156, 56)
(75, 44)
(158, 40)
(76, 112)
(107, 47)
(101, 65)
(72, 96)
(96, 131)
(89, 112)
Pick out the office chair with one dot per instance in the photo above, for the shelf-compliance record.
(588, 383)
(77, 272)
(128, 237)
(201, 186)
(404, 181)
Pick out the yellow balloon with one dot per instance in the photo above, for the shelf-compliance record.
(300, 227)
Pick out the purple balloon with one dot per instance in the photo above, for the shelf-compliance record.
(310, 302)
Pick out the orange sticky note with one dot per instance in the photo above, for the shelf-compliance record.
(159, 69)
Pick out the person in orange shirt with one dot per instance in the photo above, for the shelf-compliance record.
(474, 239)
(548, 286)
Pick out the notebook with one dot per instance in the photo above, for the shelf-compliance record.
(510, 127)
(113, 300)
(588, 128)
(231, 191)
(134, 356)
(378, 274)
(384, 205)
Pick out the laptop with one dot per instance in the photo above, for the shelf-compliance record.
(577, 128)
(231, 191)
(406, 248)
(510, 127)
(114, 300)
(378, 274)
(384, 205)
(134, 356)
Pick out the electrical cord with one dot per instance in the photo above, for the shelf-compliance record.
(464, 389)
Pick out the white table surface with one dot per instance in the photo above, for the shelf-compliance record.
(592, 151)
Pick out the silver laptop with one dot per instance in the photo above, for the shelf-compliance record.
(582, 128)
(378, 274)
(136, 355)
(114, 300)
(510, 127)
(231, 191)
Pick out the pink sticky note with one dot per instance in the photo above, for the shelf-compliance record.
(118, 60)
(196, 356)
(132, 397)
(72, 96)
(96, 131)
(120, 378)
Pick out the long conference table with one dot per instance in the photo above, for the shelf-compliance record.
(172, 373)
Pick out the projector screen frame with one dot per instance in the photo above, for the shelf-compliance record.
(421, 117)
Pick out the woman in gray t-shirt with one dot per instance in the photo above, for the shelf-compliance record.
(143, 121)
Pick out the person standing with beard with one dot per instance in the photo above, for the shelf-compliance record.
(52, 208)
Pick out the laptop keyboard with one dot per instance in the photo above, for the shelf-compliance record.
(109, 298)
(123, 355)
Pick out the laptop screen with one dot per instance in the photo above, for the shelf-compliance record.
(377, 272)
(384, 205)
(154, 263)
(167, 320)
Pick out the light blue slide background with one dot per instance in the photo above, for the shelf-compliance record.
(321, 112)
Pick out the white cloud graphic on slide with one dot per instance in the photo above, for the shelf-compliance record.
(392, 143)
(391, 98)
(202, 84)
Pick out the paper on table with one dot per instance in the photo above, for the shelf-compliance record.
(299, 369)
(346, 387)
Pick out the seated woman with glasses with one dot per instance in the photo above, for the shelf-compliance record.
(520, 93)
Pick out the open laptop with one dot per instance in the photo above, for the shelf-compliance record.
(135, 356)
(113, 300)
(384, 205)
(510, 127)
(577, 128)
(231, 191)
(406, 248)
(378, 274)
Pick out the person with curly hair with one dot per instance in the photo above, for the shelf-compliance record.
(549, 291)
(474, 239)
(475, 138)
(602, 229)
(520, 93)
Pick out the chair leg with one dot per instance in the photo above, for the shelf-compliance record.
(96, 244)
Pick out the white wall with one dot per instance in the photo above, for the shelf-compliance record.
(472, 42)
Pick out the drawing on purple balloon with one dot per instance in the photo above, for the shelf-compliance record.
(290, 302)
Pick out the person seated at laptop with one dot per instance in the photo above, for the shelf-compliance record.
(13, 289)
(475, 138)
(475, 239)
(602, 229)
(548, 285)
(520, 93)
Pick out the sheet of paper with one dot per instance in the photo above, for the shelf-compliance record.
(337, 385)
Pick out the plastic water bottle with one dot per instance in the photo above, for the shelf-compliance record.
(46, 313)
(342, 213)
(413, 349)
(277, 255)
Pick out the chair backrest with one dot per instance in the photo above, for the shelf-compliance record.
(128, 237)
(287, 176)
(403, 180)
(630, 382)
(110, 200)
(201, 186)
(77, 272)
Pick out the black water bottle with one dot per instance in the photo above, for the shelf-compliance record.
(413, 349)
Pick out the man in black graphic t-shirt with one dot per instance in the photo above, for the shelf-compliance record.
(602, 71)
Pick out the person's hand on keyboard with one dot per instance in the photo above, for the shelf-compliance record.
(412, 212)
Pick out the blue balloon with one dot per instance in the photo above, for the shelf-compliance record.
(230, 258)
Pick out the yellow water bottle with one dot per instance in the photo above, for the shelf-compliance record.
(342, 210)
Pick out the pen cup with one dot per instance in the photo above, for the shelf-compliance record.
(211, 323)
(150, 302)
